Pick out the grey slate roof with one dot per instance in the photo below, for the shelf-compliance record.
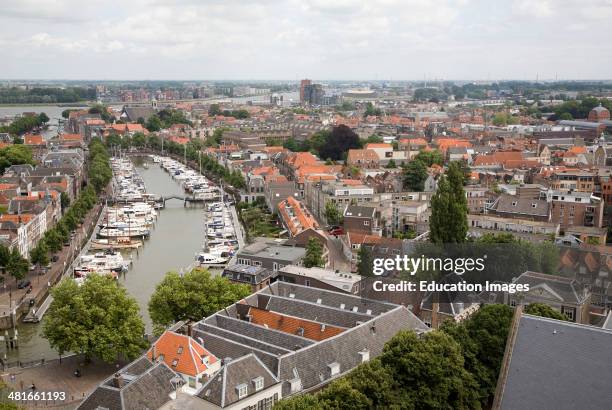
(134, 113)
(563, 289)
(307, 359)
(360, 211)
(246, 273)
(221, 389)
(266, 250)
(329, 298)
(146, 385)
(261, 333)
(558, 365)
(522, 206)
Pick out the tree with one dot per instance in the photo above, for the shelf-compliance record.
(43, 118)
(448, 221)
(415, 175)
(64, 200)
(314, 254)
(99, 319)
(365, 262)
(341, 139)
(430, 157)
(53, 240)
(332, 215)
(153, 123)
(192, 296)
(40, 254)
(429, 371)
(391, 164)
(17, 266)
(139, 140)
(483, 340)
(371, 110)
(540, 309)
(214, 109)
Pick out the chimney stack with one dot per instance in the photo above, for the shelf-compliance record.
(189, 329)
(118, 380)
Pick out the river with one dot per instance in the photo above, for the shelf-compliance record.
(174, 241)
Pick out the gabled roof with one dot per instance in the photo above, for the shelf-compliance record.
(181, 353)
(293, 325)
(221, 389)
(361, 154)
(144, 385)
(554, 364)
(33, 140)
(360, 211)
(561, 289)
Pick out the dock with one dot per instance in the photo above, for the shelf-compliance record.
(36, 314)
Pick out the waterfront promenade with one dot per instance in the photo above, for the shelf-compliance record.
(15, 302)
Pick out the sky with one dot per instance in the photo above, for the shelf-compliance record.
(294, 39)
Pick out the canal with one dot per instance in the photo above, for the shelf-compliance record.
(176, 237)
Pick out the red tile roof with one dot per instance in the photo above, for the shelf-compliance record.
(182, 354)
(292, 325)
(34, 140)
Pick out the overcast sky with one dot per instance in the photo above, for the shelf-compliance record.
(293, 39)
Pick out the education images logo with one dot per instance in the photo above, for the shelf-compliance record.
(457, 266)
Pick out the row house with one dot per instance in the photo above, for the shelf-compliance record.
(575, 208)
(340, 193)
(278, 188)
(362, 158)
(573, 180)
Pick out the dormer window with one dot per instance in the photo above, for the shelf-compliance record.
(180, 350)
(365, 355)
(242, 390)
(258, 383)
(334, 368)
(174, 362)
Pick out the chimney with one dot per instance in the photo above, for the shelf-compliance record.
(118, 380)
(153, 353)
(189, 329)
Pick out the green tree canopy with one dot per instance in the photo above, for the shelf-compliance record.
(192, 296)
(365, 262)
(17, 266)
(98, 319)
(430, 371)
(314, 254)
(448, 221)
(430, 157)
(540, 309)
(341, 139)
(415, 175)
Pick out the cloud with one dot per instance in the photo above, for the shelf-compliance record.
(287, 39)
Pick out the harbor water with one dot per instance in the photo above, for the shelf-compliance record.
(175, 239)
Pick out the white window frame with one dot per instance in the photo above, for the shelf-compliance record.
(242, 390)
(258, 383)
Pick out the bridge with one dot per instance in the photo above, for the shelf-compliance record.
(184, 199)
(35, 315)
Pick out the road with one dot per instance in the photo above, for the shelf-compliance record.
(11, 297)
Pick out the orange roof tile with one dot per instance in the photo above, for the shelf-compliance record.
(181, 353)
(378, 145)
(23, 218)
(292, 325)
(296, 216)
(71, 137)
(33, 140)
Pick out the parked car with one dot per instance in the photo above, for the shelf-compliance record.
(23, 284)
(337, 231)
